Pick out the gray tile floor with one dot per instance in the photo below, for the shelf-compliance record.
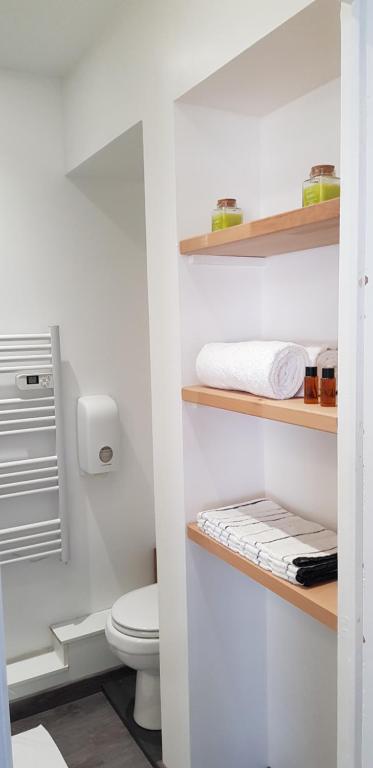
(89, 734)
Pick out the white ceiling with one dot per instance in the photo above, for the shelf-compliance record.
(49, 36)
(267, 76)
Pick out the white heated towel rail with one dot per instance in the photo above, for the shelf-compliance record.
(32, 413)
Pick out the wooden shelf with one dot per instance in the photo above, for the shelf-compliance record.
(319, 602)
(299, 230)
(292, 411)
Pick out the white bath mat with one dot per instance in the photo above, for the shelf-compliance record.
(36, 749)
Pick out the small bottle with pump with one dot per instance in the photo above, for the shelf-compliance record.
(328, 388)
(311, 385)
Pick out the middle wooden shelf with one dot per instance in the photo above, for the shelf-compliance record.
(320, 601)
(293, 411)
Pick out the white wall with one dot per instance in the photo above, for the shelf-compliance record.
(157, 52)
(227, 617)
(66, 261)
(153, 53)
(300, 302)
(366, 220)
(300, 293)
(302, 689)
(303, 133)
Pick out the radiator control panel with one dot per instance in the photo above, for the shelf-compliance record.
(34, 380)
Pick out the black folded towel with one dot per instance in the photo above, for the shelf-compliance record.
(306, 561)
(316, 572)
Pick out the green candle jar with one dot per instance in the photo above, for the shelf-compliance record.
(226, 214)
(322, 185)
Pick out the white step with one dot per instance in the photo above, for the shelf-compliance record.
(34, 668)
(80, 628)
(79, 650)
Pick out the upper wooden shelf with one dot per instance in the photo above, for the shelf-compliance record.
(320, 602)
(299, 230)
(292, 411)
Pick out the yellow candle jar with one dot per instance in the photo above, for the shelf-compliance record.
(226, 214)
(322, 185)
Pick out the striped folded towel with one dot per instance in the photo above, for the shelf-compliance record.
(295, 549)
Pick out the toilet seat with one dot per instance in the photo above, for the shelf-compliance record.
(136, 613)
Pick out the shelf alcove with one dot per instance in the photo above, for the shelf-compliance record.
(257, 655)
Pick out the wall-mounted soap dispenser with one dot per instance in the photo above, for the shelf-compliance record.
(98, 434)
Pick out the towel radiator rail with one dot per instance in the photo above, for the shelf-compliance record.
(43, 474)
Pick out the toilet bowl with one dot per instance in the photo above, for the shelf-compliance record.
(132, 631)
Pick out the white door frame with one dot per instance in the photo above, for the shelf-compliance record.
(5, 740)
(366, 172)
(352, 503)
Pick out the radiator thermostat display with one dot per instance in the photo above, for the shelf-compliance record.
(35, 380)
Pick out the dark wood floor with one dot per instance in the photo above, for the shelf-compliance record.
(89, 734)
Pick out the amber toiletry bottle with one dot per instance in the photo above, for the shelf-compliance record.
(311, 385)
(328, 387)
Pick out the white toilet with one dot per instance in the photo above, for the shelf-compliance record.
(132, 631)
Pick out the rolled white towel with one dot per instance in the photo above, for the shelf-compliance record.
(272, 369)
(323, 357)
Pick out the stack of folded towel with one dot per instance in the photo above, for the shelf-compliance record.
(265, 368)
(277, 540)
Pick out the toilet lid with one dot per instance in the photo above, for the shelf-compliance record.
(136, 613)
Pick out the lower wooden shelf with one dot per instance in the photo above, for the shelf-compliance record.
(292, 411)
(319, 602)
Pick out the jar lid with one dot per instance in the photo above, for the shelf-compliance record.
(227, 202)
(311, 370)
(328, 373)
(322, 170)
